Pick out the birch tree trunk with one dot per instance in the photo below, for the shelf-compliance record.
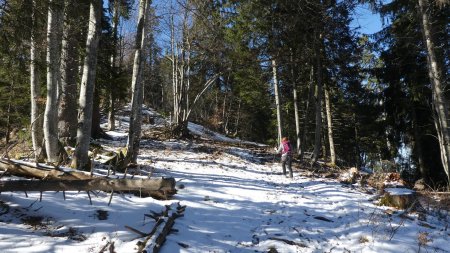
(297, 120)
(54, 37)
(439, 99)
(318, 103)
(277, 99)
(69, 72)
(37, 134)
(134, 133)
(174, 72)
(81, 159)
(329, 126)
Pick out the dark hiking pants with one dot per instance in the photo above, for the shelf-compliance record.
(286, 160)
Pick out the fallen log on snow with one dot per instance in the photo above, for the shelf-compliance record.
(157, 236)
(57, 179)
(18, 168)
(102, 184)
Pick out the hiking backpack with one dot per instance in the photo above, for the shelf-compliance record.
(287, 148)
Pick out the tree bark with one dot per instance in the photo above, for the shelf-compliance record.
(54, 32)
(136, 84)
(357, 149)
(329, 125)
(277, 99)
(112, 97)
(37, 134)
(324, 134)
(81, 159)
(155, 243)
(8, 113)
(439, 99)
(101, 184)
(174, 72)
(164, 222)
(318, 100)
(308, 101)
(96, 131)
(69, 74)
(417, 144)
(296, 112)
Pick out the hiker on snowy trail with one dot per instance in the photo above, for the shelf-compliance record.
(286, 155)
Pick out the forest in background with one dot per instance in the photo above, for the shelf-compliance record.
(255, 69)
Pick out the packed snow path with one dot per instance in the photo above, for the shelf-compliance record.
(238, 206)
(233, 205)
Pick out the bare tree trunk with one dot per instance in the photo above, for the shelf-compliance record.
(81, 159)
(296, 112)
(8, 114)
(297, 120)
(69, 73)
(308, 101)
(37, 134)
(206, 86)
(318, 101)
(174, 72)
(23, 169)
(101, 184)
(424, 172)
(277, 99)
(324, 134)
(329, 125)
(357, 150)
(188, 69)
(96, 131)
(238, 117)
(136, 84)
(439, 100)
(112, 97)
(54, 36)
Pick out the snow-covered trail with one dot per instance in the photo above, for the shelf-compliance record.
(237, 206)
(233, 205)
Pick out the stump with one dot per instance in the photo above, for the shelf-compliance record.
(401, 198)
(350, 176)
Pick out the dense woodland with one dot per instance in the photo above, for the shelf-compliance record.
(253, 69)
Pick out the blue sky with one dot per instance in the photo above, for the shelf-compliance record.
(367, 22)
(363, 19)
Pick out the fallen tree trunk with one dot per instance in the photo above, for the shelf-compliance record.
(60, 180)
(102, 184)
(164, 223)
(18, 168)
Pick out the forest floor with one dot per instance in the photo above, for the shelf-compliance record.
(236, 199)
